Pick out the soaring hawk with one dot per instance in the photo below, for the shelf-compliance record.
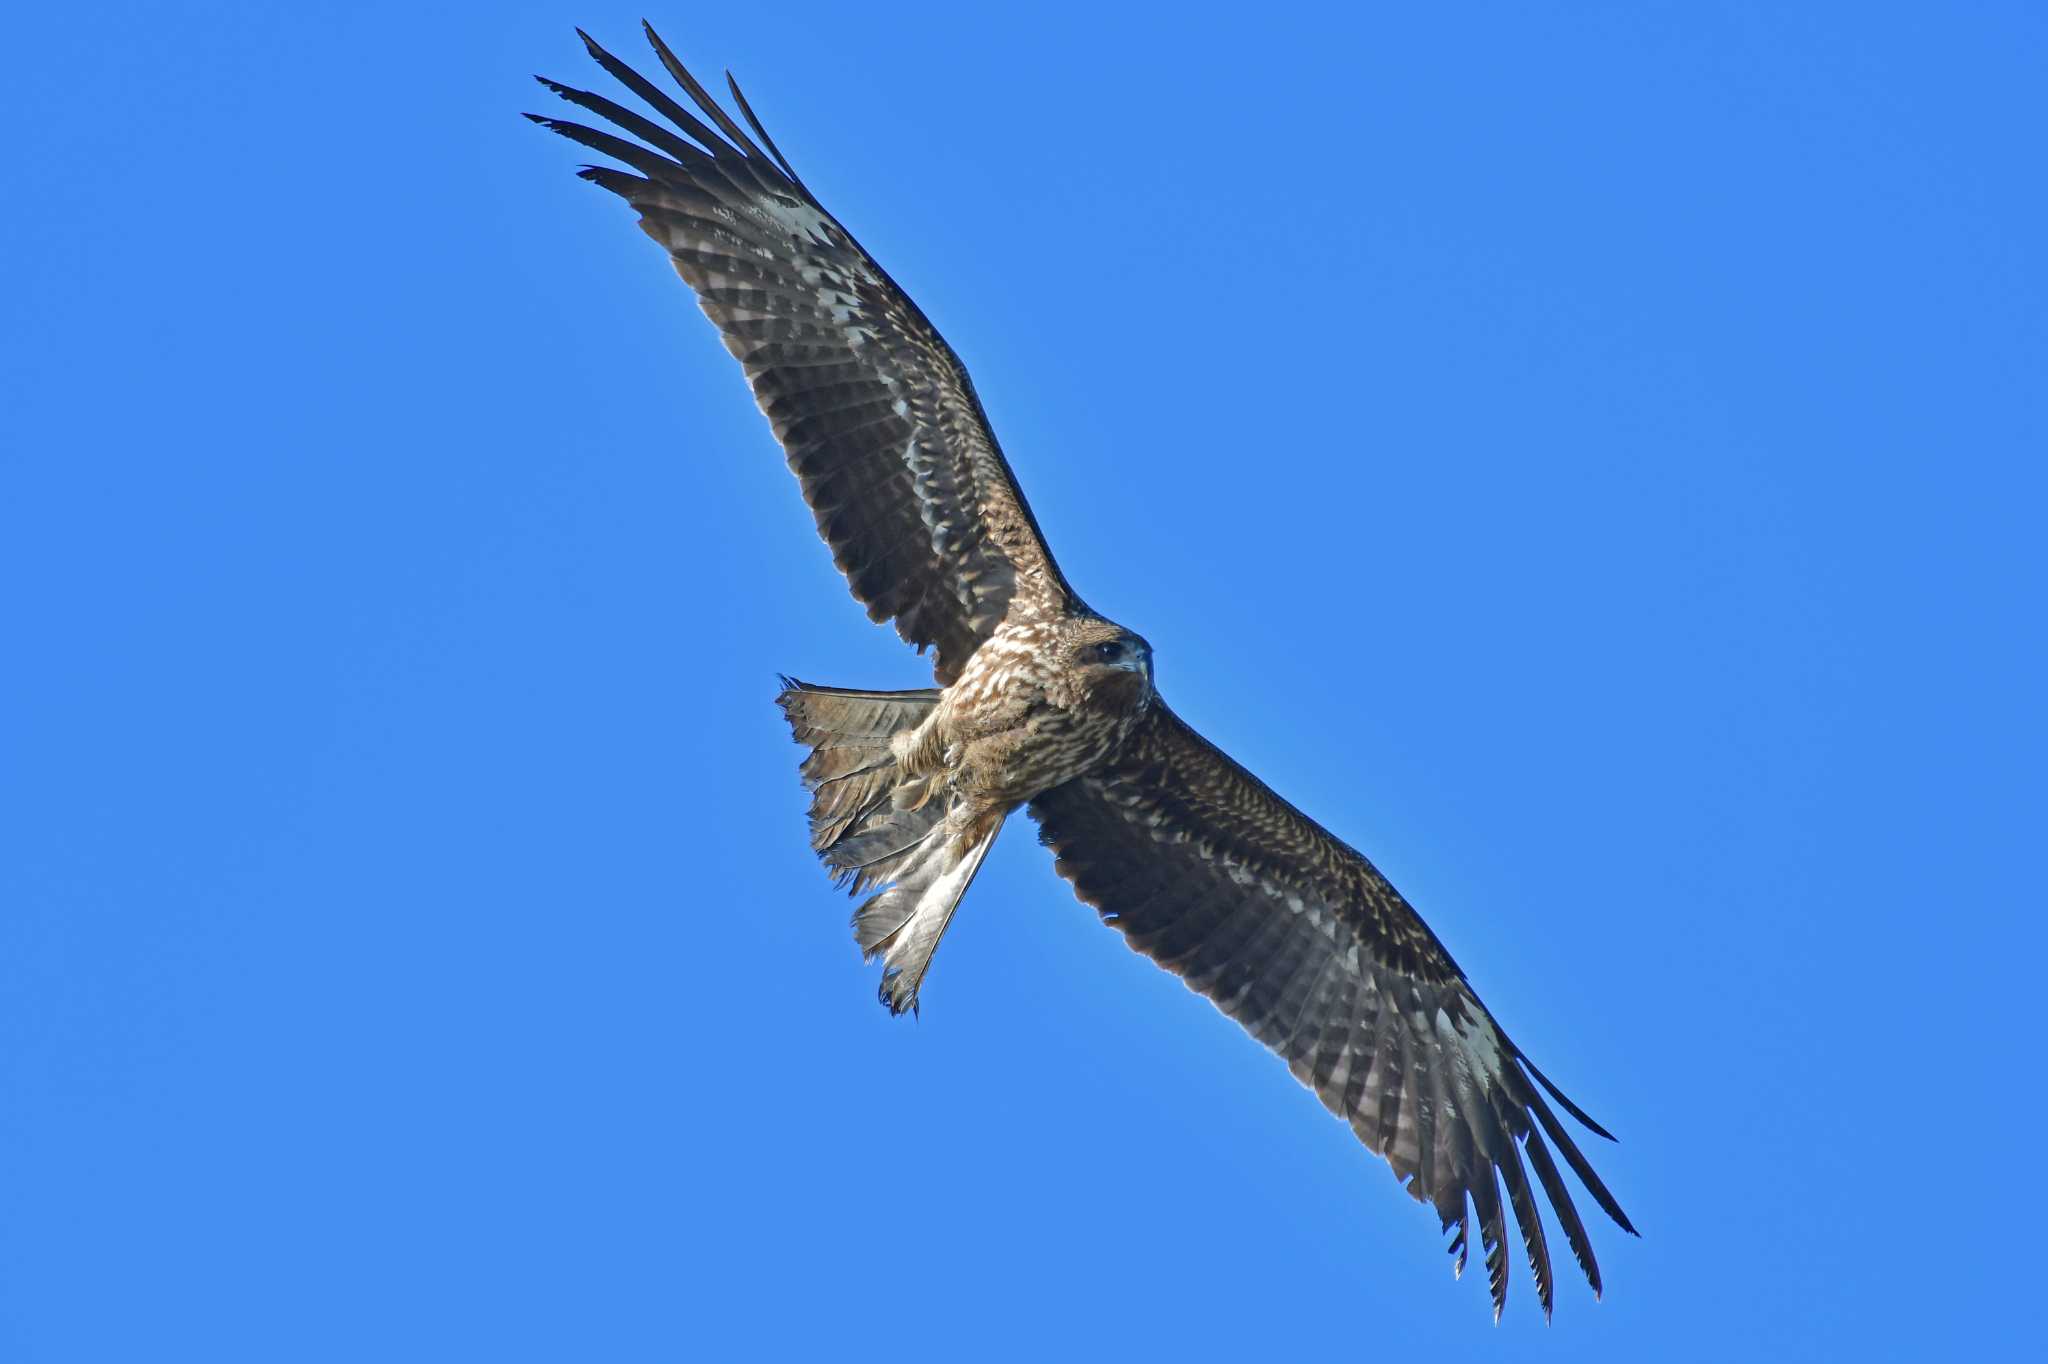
(1045, 705)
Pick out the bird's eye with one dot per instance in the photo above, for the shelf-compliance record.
(1109, 651)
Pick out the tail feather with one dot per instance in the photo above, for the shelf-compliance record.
(904, 923)
(851, 772)
(874, 826)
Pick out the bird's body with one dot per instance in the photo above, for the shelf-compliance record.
(1044, 705)
(1039, 705)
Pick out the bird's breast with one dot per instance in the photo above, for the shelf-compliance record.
(1018, 726)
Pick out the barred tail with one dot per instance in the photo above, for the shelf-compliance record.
(872, 825)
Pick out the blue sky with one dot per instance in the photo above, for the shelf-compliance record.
(1589, 457)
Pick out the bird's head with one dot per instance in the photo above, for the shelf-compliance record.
(1111, 662)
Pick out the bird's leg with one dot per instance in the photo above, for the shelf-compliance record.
(920, 755)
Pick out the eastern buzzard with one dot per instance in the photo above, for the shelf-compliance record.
(1043, 704)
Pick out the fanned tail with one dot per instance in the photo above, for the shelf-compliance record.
(873, 824)
(852, 774)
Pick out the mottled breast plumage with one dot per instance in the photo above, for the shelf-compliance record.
(1040, 704)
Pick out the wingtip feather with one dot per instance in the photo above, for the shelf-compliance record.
(1577, 1112)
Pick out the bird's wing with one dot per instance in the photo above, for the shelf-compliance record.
(1296, 936)
(876, 412)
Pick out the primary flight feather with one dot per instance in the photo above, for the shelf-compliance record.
(1043, 704)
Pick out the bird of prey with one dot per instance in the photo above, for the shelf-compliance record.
(1044, 705)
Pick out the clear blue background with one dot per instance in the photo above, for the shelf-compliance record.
(1588, 456)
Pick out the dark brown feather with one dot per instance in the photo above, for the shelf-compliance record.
(1300, 939)
(878, 418)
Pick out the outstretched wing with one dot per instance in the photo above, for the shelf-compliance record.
(877, 415)
(1302, 941)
